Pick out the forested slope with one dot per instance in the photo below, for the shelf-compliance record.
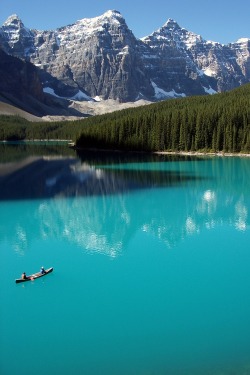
(205, 123)
(219, 122)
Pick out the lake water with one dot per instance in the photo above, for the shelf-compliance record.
(151, 260)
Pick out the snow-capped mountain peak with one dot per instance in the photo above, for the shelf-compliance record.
(171, 24)
(110, 17)
(100, 56)
(17, 34)
(243, 41)
(87, 27)
(13, 20)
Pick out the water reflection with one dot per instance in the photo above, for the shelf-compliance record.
(100, 206)
(17, 151)
(53, 177)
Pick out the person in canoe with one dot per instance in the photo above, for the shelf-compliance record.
(24, 276)
(42, 271)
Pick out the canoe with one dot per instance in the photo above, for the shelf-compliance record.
(35, 276)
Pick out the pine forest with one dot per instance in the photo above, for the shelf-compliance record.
(214, 123)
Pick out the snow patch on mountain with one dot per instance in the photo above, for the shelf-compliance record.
(210, 72)
(209, 90)
(162, 94)
(79, 96)
(97, 99)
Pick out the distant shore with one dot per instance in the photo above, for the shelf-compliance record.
(182, 153)
(196, 153)
(72, 144)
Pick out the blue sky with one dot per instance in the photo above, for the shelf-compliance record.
(222, 21)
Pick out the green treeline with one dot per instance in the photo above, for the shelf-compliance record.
(219, 122)
(14, 128)
(206, 123)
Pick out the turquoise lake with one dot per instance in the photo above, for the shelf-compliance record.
(151, 258)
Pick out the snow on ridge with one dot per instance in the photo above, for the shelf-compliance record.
(243, 40)
(170, 23)
(10, 19)
(213, 43)
(171, 31)
(88, 26)
(84, 25)
(114, 14)
(94, 22)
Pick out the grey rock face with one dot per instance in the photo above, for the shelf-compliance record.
(100, 57)
(20, 86)
(19, 78)
(189, 61)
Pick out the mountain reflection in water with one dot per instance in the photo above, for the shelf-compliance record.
(171, 200)
(53, 177)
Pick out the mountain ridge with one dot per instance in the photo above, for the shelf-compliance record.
(100, 58)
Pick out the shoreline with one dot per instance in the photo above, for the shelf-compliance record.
(72, 144)
(181, 153)
(197, 153)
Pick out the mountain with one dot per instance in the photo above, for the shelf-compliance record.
(100, 58)
(19, 82)
(19, 77)
(191, 61)
(21, 92)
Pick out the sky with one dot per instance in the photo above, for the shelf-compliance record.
(222, 21)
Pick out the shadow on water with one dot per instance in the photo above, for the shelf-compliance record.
(56, 176)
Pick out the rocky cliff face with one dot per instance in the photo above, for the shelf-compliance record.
(100, 57)
(21, 87)
(19, 79)
(187, 60)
